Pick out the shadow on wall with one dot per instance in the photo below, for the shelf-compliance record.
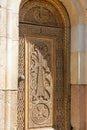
(72, 128)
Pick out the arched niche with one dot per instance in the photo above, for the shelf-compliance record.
(44, 60)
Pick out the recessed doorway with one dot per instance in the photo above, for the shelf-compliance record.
(44, 66)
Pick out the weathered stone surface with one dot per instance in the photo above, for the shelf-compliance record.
(2, 109)
(3, 22)
(2, 62)
(78, 108)
(12, 65)
(8, 108)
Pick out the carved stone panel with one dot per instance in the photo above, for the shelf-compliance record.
(40, 62)
(38, 12)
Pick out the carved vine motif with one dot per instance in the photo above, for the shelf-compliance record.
(40, 73)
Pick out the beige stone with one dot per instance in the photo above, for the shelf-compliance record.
(3, 3)
(78, 107)
(12, 25)
(10, 110)
(74, 38)
(12, 65)
(79, 67)
(82, 67)
(85, 37)
(72, 14)
(3, 22)
(85, 104)
(13, 5)
(74, 68)
(75, 111)
(2, 62)
(2, 109)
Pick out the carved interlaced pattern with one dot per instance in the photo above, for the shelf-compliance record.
(60, 90)
(20, 115)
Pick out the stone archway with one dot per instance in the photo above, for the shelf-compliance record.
(44, 60)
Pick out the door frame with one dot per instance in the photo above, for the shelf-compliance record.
(66, 41)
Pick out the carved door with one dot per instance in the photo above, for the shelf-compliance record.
(41, 101)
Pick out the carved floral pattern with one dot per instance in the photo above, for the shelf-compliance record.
(40, 80)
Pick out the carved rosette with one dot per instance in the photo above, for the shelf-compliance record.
(40, 113)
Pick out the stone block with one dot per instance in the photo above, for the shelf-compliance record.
(11, 109)
(12, 25)
(2, 22)
(12, 65)
(2, 62)
(2, 110)
(74, 67)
